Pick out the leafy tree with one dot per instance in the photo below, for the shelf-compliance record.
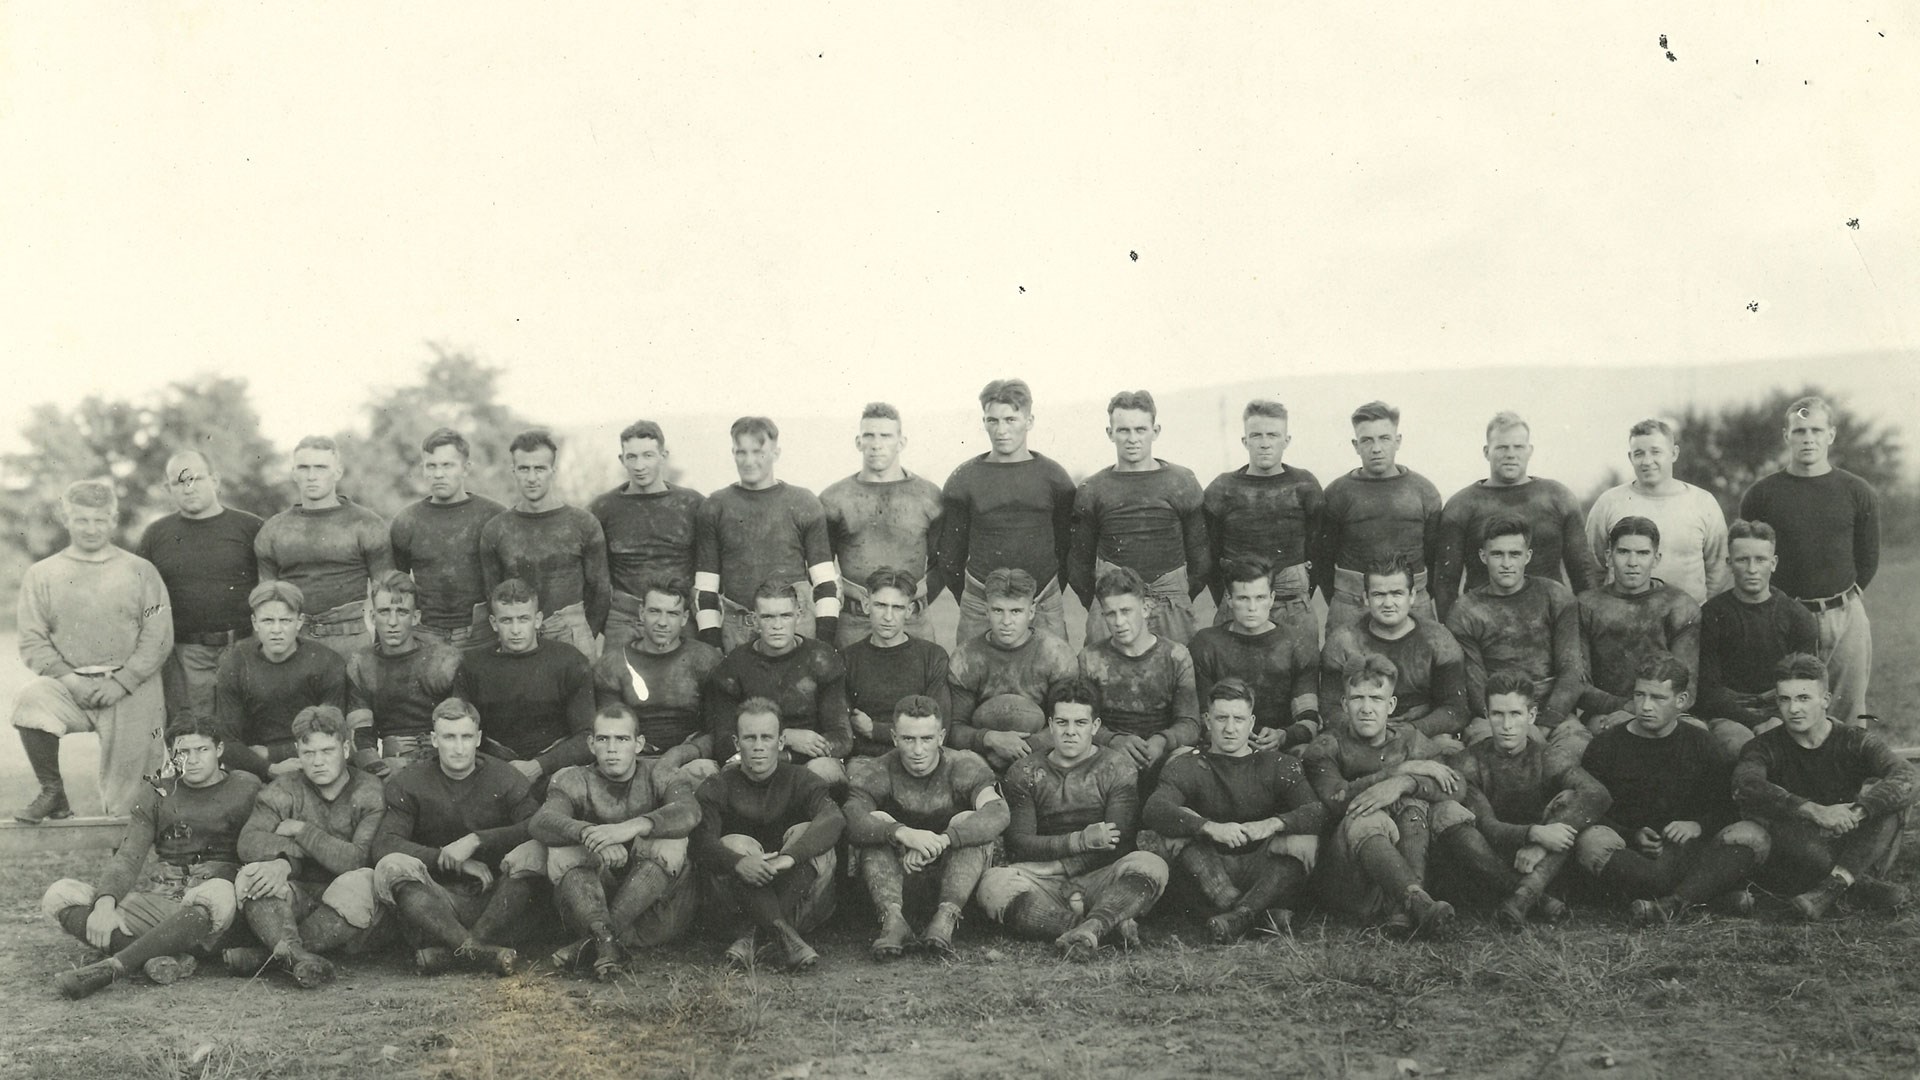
(1727, 449)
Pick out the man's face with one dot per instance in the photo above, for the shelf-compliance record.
(1251, 603)
(1810, 435)
(316, 473)
(918, 739)
(394, 617)
(1378, 443)
(1657, 705)
(192, 486)
(1266, 440)
(1753, 563)
(1802, 704)
(777, 622)
(1506, 558)
(1370, 704)
(323, 758)
(879, 443)
(1508, 451)
(1652, 457)
(1009, 620)
(1389, 599)
(1511, 717)
(277, 626)
(1132, 432)
(446, 469)
(1073, 727)
(887, 612)
(643, 459)
(1633, 559)
(457, 742)
(533, 472)
(759, 741)
(1126, 617)
(518, 625)
(1006, 428)
(90, 528)
(753, 459)
(616, 746)
(198, 759)
(1229, 726)
(663, 618)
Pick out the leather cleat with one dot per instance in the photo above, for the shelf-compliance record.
(85, 981)
(49, 805)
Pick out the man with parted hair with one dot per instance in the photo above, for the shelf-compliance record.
(1145, 515)
(393, 685)
(804, 676)
(1745, 631)
(883, 516)
(889, 665)
(95, 629)
(1149, 707)
(1243, 823)
(204, 553)
(661, 675)
(650, 525)
(1010, 508)
(1554, 521)
(437, 540)
(1266, 510)
(759, 529)
(558, 549)
(1691, 523)
(1515, 621)
(266, 680)
(329, 546)
(1001, 679)
(1827, 522)
(1633, 616)
(1279, 662)
(535, 692)
(922, 817)
(1380, 510)
(307, 886)
(1430, 689)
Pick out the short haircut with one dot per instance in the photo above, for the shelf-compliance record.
(92, 494)
(446, 436)
(1231, 688)
(1508, 525)
(1011, 583)
(1012, 392)
(286, 592)
(1633, 525)
(760, 706)
(322, 720)
(1250, 568)
(1077, 690)
(1809, 404)
(396, 584)
(918, 705)
(533, 439)
(880, 410)
(513, 591)
(667, 585)
(1138, 400)
(1120, 581)
(618, 711)
(888, 577)
(1388, 566)
(1663, 666)
(317, 442)
(755, 427)
(1504, 419)
(1794, 666)
(1653, 425)
(1376, 410)
(643, 429)
(456, 708)
(1369, 669)
(188, 723)
(1512, 681)
(1264, 406)
(1742, 529)
(775, 589)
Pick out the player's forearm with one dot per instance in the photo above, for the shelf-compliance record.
(1167, 813)
(1898, 785)
(336, 854)
(821, 833)
(554, 822)
(864, 826)
(673, 819)
(980, 827)
(572, 750)
(498, 841)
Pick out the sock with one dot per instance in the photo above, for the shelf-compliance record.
(1412, 820)
(1128, 896)
(272, 922)
(582, 899)
(1632, 874)
(1718, 869)
(646, 885)
(1388, 868)
(74, 921)
(1035, 915)
(1276, 881)
(325, 930)
(1466, 844)
(964, 868)
(885, 877)
(1202, 860)
(503, 918)
(43, 755)
(177, 933)
(430, 913)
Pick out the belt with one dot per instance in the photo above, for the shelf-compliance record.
(335, 629)
(97, 671)
(1828, 603)
(221, 637)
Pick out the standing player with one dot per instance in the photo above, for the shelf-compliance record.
(1430, 672)
(204, 553)
(1149, 707)
(883, 516)
(1695, 548)
(329, 546)
(888, 666)
(556, 548)
(1514, 621)
(1266, 510)
(1377, 511)
(437, 540)
(1279, 663)
(535, 693)
(1145, 515)
(95, 631)
(1747, 630)
(650, 525)
(1828, 522)
(1001, 679)
(802, 676)
(1551, 513)
(1633, 616)
(393, 686)
(267, 680)
(762, 529)
(661, 676)
(1008, 509)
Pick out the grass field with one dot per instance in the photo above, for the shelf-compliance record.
(1760, 997)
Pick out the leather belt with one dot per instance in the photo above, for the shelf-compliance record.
(1828, 603)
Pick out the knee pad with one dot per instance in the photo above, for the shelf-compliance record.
(828, 769)
(63, 894)
(527, 860)
(998, 887)
(396, 869)
(1448, 813)
(1593, 848)
(1357, 829)
(1167, 847)
(698, 771)
(1302, 846)
(742, 844)
(668, 855)
(218, 900)
(39, 705)
(560, 860)
(1144, 864)
(351, 896)
(1750, 835)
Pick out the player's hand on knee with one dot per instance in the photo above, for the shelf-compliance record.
(1268, 738)
(1227, 834)
(1008, 744)
(1647, 841)
(1554, 837)
(478, 871)
(1681, 832)
(1834, 820)
(102, 922)
(613, 856)
(263, 880)
(1100, 836)
(862, 723)
(1134, 747)
(1528, 858)
(753, 870)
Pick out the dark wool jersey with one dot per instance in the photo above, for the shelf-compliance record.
(1775, 776)
(400, 690)
(538, 704)
(1739, 645)
(1828, 528)
(190, 825)
(892, 523)
(922, 802)
(1618, 631)
(1152, 522)
(1340, 766)
(580, 796)
(1431, 687)
(1559, 527)
(1536, 631)
(1509, 793)
(209, 567)
(734, 804)
(651, 534)
(255, 699)
(980, 670)
(748, 537)
(1146, 695)
(427, 810)
(560, 552)
(1368, 520)
(1282, 665)
(339, 832)
(676, 685)
(878, 678)
(1273, 517)
(331, 554)
(1015, 514)
(1195, 789)
(809, 684)
(439, 544)
(1685, 776)
(1049, 803)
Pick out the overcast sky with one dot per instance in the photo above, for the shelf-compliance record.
(800, 207)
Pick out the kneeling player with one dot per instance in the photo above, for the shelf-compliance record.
(1832, 797)
(1074, 811)
(922, 815)
(618, 829)
(1244, 823)
(191, 818)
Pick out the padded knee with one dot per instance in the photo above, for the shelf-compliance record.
(1594, 848)
(1357, 829)
(669, 855)
(1302, 846)
(527, 860)
(560, 860)
(63, 894)
(1167, 847)
(1144, 864)
(1448, 813)
(1750, 835)
(828, 769)
(742, 844)
(351, 897)
(42, 704)
(698, 771)
(396, 869)
(998, 887)
(217, 898)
